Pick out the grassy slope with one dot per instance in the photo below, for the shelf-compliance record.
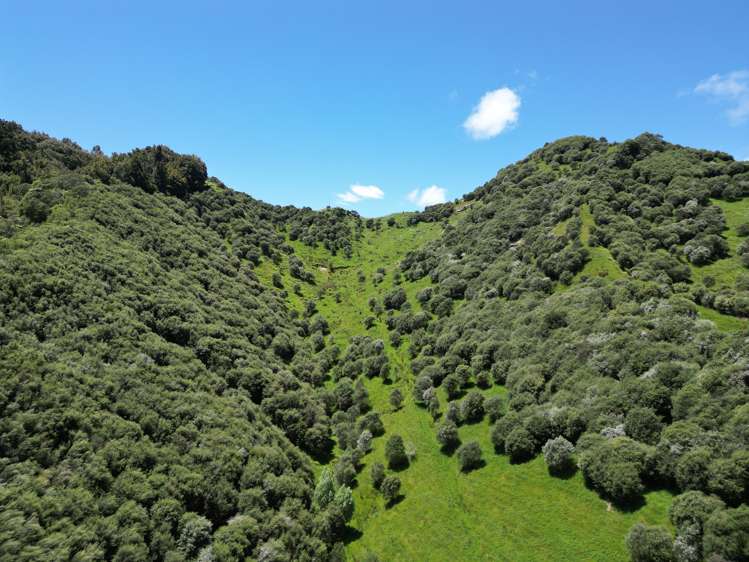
(500, 511)
(602, 263)
(726, 271)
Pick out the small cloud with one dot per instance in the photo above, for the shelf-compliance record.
(453, 95)
(348, 197)
(357, 192)
(432, 195)
(731, 89)
(496, 111)
(367, 191)
(533, 75)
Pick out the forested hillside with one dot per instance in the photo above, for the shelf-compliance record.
(553, 367)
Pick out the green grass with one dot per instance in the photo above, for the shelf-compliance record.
(726, 271)
(499, 512)
(601, 262)
(723, 322)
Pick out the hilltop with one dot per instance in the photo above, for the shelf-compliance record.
(189, 373)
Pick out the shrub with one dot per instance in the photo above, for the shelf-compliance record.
(643, 424)
(494, 407)
(447, 435)
(378, 474)
(396, 399)
(726, 534)
(649, 544)
(472, 407)
(469, 456)
(519, 445)
(395, 452)
(390, 488)
(558, 455)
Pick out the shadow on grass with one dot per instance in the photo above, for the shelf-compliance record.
(351, 534)
(400, 467)
(626, 505)
(449, 450)
(326, 455)
(630, 505)
(480, 464)
(395, 501)
(564, 473)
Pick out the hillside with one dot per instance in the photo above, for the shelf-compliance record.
(189, 373)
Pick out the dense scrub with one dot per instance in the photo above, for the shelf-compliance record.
(649, 394)
(157, 398)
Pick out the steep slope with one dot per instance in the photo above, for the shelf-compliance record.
(153, 390)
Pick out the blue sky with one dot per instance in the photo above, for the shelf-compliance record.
(378, 105)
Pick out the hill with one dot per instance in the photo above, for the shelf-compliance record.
(189, 373)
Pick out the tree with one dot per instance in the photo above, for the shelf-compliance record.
(394, 299)
(396, 399)
(364, 443)
(325, 489)
(195, 532)
(520, 445)
(452, 412)
(447, 435)
(483, 380)
(378, 474)
(494, 407)
(649, 544)
(472, 407)
(372, 422)
(452, 385)
(433, 406)
(622, 482)
(395, 452)
(343, 504)
(345, 471)
(558, 455)
(729, 477)
(727, 534)
(421, 386)
(469, 456)
(643, 424)
(390, 488)
(692, 469)
(693, 508)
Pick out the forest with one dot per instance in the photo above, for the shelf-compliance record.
(554, 366)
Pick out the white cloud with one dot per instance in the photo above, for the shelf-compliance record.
(731, 89)
(496, 111)
(357, 192)
(348, 197)
(368, 191)
(428, 196)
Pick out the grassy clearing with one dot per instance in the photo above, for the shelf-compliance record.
(499, 512)
(602, 263)
(726, 271)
